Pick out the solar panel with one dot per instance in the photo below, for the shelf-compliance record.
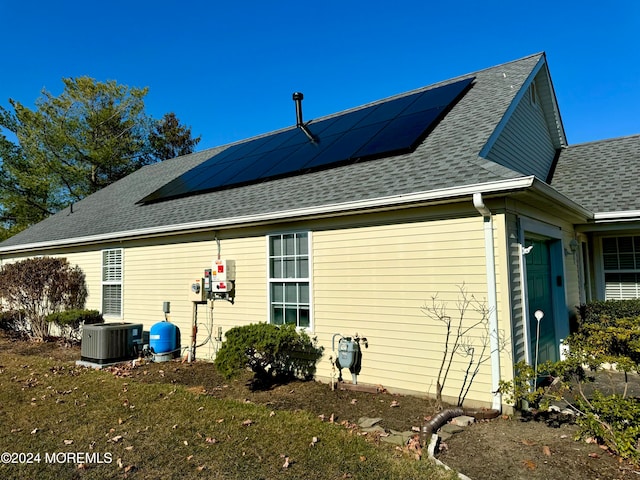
(387, 128)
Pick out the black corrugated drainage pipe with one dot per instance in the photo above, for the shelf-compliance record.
(440, 419)
(431, 440)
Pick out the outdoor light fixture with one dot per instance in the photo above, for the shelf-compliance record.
(573, 248)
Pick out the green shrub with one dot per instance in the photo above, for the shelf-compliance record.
(612, 419)
(611, 340)
(595, 312)
(608, 336)
(71, 321)
(273, 353)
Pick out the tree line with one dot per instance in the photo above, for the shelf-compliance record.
(72, 145)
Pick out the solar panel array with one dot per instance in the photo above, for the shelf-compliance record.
(387, 128)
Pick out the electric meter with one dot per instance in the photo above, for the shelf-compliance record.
(196, 291)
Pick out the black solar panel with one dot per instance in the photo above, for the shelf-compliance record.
(388, 128)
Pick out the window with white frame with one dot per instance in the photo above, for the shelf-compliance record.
(289, 282)
(621, 261)
(112, 282)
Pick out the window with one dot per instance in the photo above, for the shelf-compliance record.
(112, 282)
(289, 301)
(621, 259)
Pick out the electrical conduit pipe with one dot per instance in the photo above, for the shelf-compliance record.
(492, 299)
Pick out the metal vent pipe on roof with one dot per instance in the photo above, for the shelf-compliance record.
(297, 97)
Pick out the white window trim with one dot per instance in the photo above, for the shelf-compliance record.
(603, 270)
(308, 279)
(112, 282)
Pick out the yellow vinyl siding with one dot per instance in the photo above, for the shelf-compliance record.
(374, 281)
(164, 272)
(91, 264)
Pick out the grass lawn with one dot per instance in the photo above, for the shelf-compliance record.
(73, 422)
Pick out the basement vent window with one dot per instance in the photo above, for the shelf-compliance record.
(112, 282)
(621, 258)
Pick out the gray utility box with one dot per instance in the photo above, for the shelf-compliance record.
(104, 343)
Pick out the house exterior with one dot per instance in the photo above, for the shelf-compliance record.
(491, 201)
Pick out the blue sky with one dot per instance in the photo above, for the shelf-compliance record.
(228, 69)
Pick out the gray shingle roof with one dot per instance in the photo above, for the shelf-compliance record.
(601, 176)
(447, 158)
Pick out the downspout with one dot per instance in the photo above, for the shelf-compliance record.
(492, 299)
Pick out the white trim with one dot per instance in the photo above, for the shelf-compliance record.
(295, 280)
(119, 282)
(605, 270)
(492, 298)
(392, 201)
(628, 215)
(534, 228)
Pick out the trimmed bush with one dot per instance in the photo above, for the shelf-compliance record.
(71, 321)
(595, 312)
(272, 352)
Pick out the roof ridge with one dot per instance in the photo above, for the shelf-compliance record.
(527, 57)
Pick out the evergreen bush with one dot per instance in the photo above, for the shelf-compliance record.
(70, 321)
(596, 311)
(273, 353)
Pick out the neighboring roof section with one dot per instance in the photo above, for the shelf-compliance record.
(447, 158)
(601, 176)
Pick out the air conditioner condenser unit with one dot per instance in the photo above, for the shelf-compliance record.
(105, 343)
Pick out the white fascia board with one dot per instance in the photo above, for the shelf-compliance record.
(622, 216)
(380, 203)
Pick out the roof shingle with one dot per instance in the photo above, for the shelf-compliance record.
(601, 176)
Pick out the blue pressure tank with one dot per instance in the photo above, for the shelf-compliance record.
(163, 337)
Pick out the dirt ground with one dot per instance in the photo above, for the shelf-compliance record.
(503, 448)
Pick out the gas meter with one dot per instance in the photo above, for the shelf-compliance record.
(349, 354)
(347, 351)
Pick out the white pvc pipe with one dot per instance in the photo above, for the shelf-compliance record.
(492, 299)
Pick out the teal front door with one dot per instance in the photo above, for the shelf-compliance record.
(543, 345)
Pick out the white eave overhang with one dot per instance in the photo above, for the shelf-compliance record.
(612, 221)
(444, 195)
(624, 216)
